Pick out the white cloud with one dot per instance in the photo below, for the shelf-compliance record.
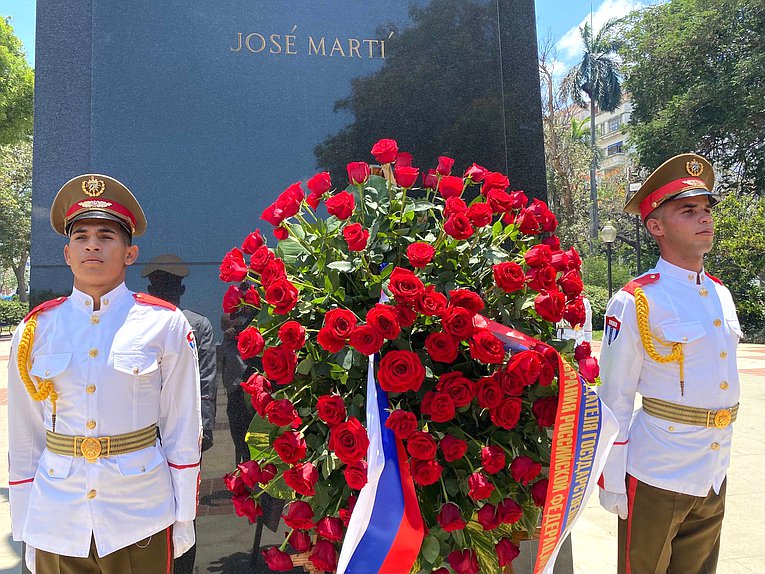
(570, 45)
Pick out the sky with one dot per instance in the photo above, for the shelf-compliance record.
(559, 19)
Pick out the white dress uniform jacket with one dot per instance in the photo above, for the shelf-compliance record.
(116, 370)
(682, 458)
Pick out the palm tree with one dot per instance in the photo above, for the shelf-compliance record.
(597, 75)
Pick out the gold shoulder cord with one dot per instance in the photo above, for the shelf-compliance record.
(44, 388)
(642, 309)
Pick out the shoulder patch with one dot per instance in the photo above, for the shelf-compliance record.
(640, 282)
(715, 279)
(147, 299)
(42, 307)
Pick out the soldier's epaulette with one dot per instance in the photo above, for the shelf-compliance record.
(45, 306)
(147, 299)
(715, 279)
(640, 282)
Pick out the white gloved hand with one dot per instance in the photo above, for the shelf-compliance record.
(29, 558)
(615, 502)
(183, 537)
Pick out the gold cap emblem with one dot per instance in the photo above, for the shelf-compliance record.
(94, 204)
(694, 167)
(93, 187)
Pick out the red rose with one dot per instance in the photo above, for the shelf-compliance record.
(538, 256)
(589, 369)
(233, 268)
(454, 205)
(553, 241)
(337, 329)
(257, 383)
(506, 551)
(507, 413)
(232, 299)
(252, 297)
(404, 159)
(582, 351)
(509, 511)
(458, 226)
(499, 201)
(539, 492)
(302, 478)
(527, 223)
(281, 233)
(509, 276)
(385, 151)
(480, 214)
(385, 320)
(330, 528)
(356, 237)
(458, 322)
(524, 470)
(444, 165)
(463, 561)
(487, 348)
(282, 413)
(420, 254)
(550, 305)
(320, 183)
(421, 445)
(328, 342)
(260, 402)
(235, 484)
(290, 447)
(494, 180)
(542, 278)
(300, 540)
(267, 474)
(356, 474)
(341, 205)
(488, 393)
(405, 314)
(299, 515)
(250, 343)
(543, 214)
(249, 472)
(559, 260)
(574, 261)
(349, 441)
(450, 186)
(401, 371)
(252, 242)
(546, 374)
(525, 366)
(292, 335)
(331, 409)
(279, 363)
(450, 517)
(244, 505)
(324, 556)
(487, 517)
(283, 295)
(476, 173)
(405, 285)
(425, 472)
(467, 299)
(358, 173)
(430, 179)
(511, 381)
(519, 199)
(492, 459)
(285, 206)
(402, 423)
(479, 486)
(458, 387)
(575, 313)
(406, 176)
(366, 340)
(442, 347)
(453, 448)
(262, 257)
(544, 410)
(431, 303)
(571, 284)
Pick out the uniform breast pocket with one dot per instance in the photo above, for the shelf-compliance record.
(50, 366)
(137, 365)
(685, 332)
(735, 328)
(55, 465)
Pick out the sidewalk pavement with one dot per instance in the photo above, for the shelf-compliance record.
(225, 540)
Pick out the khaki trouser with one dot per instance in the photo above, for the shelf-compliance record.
(670, 533)
(153, 555)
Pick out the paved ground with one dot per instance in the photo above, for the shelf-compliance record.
(226, 540)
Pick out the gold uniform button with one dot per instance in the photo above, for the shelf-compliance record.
(91, 425)
(717, 322)
(142, 469)
(47, 373)
(91, 389)
(703, 292)
(87, 303)
(715, 446)
(91, 494)
(670, 429)
(685, 339)
(691, 277)
(135, 370)
(723, 354)
(94, 319)
(724, 385)
(50, 472)
(93, 353)
(106, 301)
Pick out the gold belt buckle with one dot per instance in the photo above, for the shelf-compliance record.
(90, 448)
(722, 418)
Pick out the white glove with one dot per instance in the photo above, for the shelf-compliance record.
(183, 537)
(614, 502)
(29, 558)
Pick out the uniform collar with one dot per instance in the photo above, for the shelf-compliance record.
(666, 269)
(85, 301)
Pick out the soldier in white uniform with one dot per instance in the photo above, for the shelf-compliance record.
(670, 336)
(104, 405)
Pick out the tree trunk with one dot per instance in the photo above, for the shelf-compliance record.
(593, 182)
(20, 273)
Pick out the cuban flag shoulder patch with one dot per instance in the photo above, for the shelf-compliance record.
(611, 329)
(191, 340)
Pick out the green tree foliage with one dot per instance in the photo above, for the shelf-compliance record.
(696, 73)
(16, 87)
(16, 209)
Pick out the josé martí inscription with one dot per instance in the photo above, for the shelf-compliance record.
(292, 44)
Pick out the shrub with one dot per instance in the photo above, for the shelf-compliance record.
(12, 312)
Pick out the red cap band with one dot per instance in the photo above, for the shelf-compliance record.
(672, 188)
(107, 206)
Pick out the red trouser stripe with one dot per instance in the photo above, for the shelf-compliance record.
(169, 532)
(631, 488)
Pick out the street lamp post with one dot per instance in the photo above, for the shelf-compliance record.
(634, 188)
(608, 236)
